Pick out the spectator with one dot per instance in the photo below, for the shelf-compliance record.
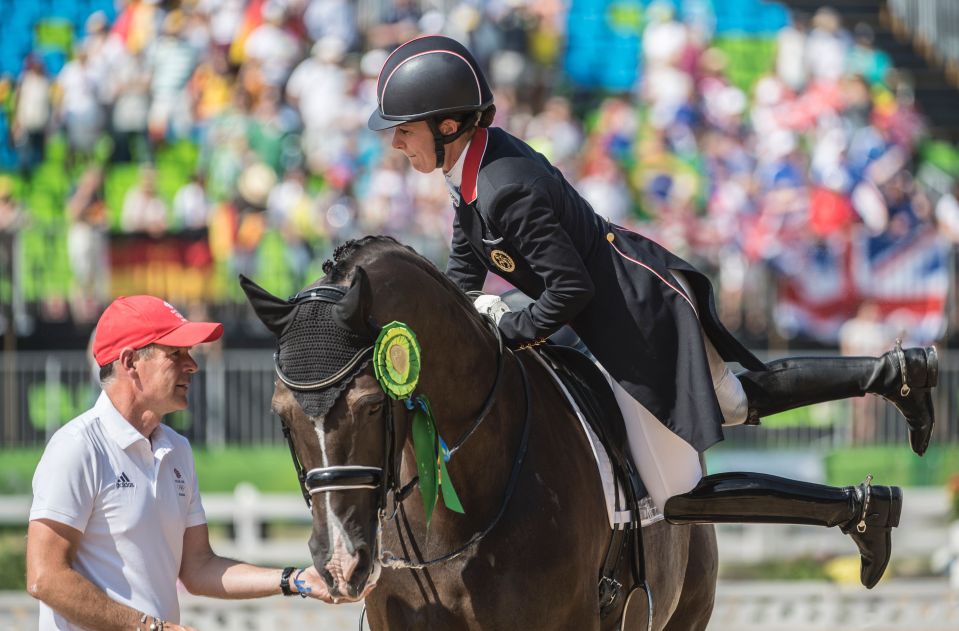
(143, 210)
(271, 46)
(87, 246)
(791, 54)
(129, 88)
(864, 59)
(31, 114)
(319, 88)
(79, 108)
(334, 19)
(171, 61)
(12, 217)
(826, 46)
(190, 207)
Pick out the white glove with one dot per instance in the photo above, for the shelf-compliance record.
(491, 305)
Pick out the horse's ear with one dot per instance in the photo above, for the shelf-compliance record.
(353, 309)
(274, 312)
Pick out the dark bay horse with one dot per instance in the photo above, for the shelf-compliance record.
(528, 550)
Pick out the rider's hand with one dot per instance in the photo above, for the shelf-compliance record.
(491, 305)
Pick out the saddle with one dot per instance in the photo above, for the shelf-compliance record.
(592, 398)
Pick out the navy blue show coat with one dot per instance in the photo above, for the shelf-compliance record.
(519, 218)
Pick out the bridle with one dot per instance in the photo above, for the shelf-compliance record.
(385, 479)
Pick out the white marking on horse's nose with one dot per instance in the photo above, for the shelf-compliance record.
(343, 557)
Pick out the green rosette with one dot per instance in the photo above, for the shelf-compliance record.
(396, 360)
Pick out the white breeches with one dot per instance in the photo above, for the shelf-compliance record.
(668, 464)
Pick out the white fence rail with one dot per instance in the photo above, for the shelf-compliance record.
(815, 606)
(924, 529)
(246, 509)
(740, 606)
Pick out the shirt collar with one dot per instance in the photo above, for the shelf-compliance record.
(455, 176)
(122, 431)
(461, 179)
(454, 179)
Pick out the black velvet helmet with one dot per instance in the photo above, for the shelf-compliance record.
(430, 78)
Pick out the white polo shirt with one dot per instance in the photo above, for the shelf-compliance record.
(131, 500)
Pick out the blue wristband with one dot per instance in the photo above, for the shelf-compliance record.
(300, 585)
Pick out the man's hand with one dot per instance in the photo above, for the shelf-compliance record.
(308, 581)
(491, 305)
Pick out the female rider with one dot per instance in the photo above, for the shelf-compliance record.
(647, 316)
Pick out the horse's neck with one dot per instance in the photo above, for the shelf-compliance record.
(458, 361)
(458, 372)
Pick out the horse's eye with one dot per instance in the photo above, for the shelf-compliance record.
(375, 408)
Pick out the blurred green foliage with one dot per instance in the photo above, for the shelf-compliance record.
(799, 569)
(268, 468)
(13, 565)
(893, 465)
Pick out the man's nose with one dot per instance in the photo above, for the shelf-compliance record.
(191, 365)
(397, 143)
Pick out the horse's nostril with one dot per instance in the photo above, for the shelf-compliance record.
(352, 590)
(327, 578)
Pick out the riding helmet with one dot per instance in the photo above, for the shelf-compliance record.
(429, 77)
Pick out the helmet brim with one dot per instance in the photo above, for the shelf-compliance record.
(378, 123)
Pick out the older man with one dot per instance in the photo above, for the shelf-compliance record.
(116, 515)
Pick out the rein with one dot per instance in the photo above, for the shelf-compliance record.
(388, 559)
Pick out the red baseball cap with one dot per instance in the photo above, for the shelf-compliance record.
(138, 321)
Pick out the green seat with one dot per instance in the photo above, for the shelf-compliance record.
(54, 34)
(749, 58)
(175, 164)
(46, 269)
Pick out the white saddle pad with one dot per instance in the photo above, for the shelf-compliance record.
(648, 513)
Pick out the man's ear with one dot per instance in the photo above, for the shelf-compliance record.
(127, 358)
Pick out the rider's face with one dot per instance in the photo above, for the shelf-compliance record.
(415, 140)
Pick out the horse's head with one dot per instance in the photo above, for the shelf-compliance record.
(337, 419)
(345, 433)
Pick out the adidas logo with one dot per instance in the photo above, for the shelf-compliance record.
(123, 482)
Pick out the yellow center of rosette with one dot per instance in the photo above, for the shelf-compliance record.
(396, 360)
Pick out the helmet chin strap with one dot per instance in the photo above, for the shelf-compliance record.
(440, 141)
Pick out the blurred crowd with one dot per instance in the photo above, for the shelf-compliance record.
(745, 181)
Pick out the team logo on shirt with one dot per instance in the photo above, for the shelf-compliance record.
(179, 482)
(502, 260)
(123, 481)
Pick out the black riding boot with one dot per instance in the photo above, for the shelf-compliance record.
(903, 377)
(866, 513)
